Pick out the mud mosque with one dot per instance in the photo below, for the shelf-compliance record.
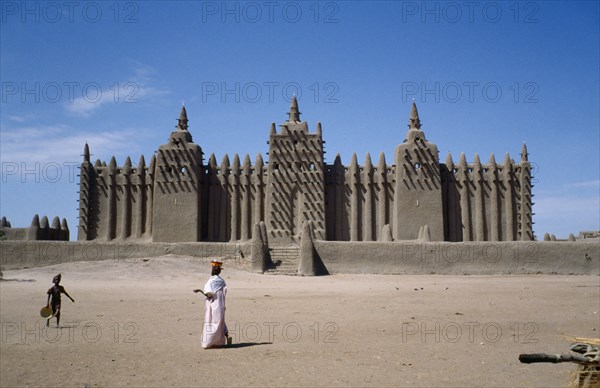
(179, 197)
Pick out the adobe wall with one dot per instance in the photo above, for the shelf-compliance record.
(115, 201)
(38, 230)
(472, 258)
(28, 254)
(407, 258)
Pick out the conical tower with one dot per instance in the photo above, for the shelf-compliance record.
(181, 134)
(295, 188)
(182, 122)
(525, 203)
(413, 120)
(178, 187)
(87, 185)
(418, 191)
(294, 115)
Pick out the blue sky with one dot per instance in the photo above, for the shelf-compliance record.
(486, 76)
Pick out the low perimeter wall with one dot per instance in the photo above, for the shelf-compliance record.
(464, 258)
(27, 254)
(414, 258)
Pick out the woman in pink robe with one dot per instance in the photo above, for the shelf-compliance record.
(214, 331)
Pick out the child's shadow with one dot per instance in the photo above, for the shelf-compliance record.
(60, 327)
(18, 280)
(69, 326)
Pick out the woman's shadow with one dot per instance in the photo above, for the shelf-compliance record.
(245, 345)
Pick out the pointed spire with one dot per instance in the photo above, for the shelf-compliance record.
(368, 163)
(414, 124)
(212, 162)
(492, 162)
(449, 162)
(381, 159)
(182, 123)
(337, 164)
(127, 166)
(98, 163)
(259, 166)
(235, 167)
(507, 161)
(112, 166)
(524, 153)
(414, 121)
(319, 130)
(56, 223)
(354, 165)
(152, 165)
(507, 167)
(86, 153)
(225, 164)
(64, 225)
(141, 167)
(462, 162)
(477, 169)
(381, 165)
(259, 163)
(44, 222)
(273, 130)
(294, 115)
(247, 165)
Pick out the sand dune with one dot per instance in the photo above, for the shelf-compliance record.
(137, 323)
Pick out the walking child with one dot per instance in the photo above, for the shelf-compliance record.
(54, 299)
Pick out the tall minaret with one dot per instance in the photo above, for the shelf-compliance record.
(525, 204)
(296, 183)
(418, 191)
(178, 200)
(85, 183)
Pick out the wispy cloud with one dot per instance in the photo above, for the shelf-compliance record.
(61, 143)
(84, 107)
(137, 88)
(142, 72)
(18, 119)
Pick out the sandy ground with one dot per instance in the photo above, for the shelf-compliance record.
(137, 323)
